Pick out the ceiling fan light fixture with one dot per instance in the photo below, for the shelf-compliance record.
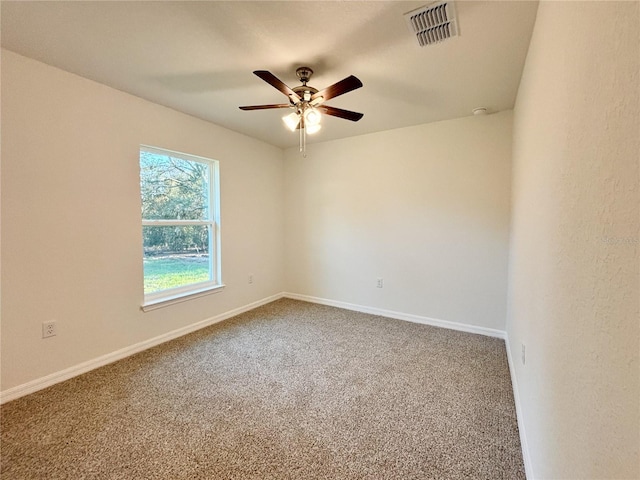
(312, 117)
(311, 129)
(291, 121)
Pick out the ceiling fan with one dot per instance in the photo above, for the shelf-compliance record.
(307, 102)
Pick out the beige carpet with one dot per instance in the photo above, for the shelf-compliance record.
(290, 390)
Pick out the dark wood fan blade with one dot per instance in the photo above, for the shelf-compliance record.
(264, 107)
(339, 112)
(274, 81)
(343, 86)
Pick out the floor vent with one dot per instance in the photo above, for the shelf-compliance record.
(433, 23)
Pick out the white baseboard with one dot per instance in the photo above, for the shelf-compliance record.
(463, 327)
(66, 374)
(528, 468)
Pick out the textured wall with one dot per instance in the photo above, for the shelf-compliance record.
(574, 291)
(426, 208)
(71, 234)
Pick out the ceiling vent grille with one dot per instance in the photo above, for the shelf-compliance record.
(433, 23)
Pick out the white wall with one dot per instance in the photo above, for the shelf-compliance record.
(71, 234)
(426, 208)
(574, 291)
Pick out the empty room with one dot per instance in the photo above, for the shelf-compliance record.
(320, 240)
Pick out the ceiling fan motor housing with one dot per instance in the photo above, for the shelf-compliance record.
(305, 92)
(304, 74)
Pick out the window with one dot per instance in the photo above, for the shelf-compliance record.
(180, 226)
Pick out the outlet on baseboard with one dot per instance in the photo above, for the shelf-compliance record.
(379, 283)
(250, 279)
(49, 329)
(523, 353)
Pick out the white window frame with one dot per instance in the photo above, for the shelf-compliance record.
(180, 294)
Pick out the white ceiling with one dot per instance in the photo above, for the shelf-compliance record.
(198, 57)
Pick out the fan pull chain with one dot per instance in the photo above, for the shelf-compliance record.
(304, 142)
(300, 134)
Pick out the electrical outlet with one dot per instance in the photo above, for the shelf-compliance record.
(49, 329)
(250, 278)
(379, 283)
(523, 353)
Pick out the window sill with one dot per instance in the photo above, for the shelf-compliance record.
(179, 298)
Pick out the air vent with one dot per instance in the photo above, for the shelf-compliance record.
(433, 23)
